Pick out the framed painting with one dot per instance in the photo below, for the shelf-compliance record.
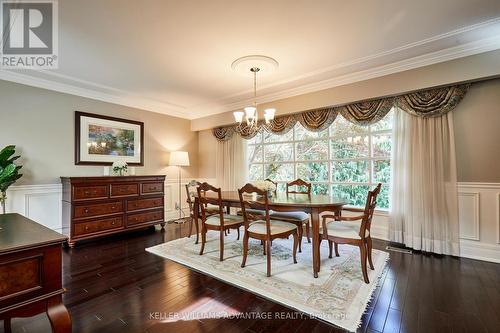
(102, 140)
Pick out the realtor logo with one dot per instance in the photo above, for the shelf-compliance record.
(29, 34)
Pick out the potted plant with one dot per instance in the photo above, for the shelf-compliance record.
(9, 172)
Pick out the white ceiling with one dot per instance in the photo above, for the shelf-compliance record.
(175, 57)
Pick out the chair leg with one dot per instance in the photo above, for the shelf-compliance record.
(362, 250)
(190, 227)
(336, 249)
(295, 244)
(245, 249)
(221, 245)
(238, 230)
(308, 232)
(301, 231)
(264, 246)
(268, 243)
(203, 239)
(369, 250)
(330, 247)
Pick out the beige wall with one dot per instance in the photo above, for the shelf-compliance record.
(206, 154)
(41, 124)
(477, 133)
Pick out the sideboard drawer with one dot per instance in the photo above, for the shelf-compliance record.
(145, 217)
(98, 209)
(90, 192)
(139, 204)
(123, 190)
(150, 188)
(84, 228)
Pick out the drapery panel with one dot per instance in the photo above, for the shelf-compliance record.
(424, 202)
(231, 168)
(425, 103)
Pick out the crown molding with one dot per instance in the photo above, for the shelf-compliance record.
(74, 86)
(112, 95)
(452, 53)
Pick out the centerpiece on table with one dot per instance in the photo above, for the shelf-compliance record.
(120, 168)
(266, 186)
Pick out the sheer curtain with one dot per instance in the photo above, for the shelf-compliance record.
(231, 163)
(424, 212)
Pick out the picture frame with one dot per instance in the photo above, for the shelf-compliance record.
(102, 140)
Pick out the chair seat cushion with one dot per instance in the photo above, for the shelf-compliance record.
(290, 216)
(343, 230)
(277, 227)
(228, 220)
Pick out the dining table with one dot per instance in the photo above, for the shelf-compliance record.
(313, 204)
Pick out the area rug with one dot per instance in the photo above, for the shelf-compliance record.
(338, 296)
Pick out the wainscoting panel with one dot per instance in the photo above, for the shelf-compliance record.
(41, 203)
(468, 215)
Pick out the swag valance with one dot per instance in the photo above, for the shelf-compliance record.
(426, 103)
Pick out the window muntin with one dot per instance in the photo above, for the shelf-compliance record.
(344, 160)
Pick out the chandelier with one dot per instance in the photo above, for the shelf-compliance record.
(248, 118)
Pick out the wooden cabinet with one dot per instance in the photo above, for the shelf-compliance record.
(31, 272)
(99, 206)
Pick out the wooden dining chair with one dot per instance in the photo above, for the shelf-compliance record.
(190, 195)
(299, 218)
(265, 230)
(337, 232)
(258, 213)
(218, 222)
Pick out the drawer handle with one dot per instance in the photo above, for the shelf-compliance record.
(86, 227)
(113, 223)
(87, 192)
(113, 207)
(86, 210)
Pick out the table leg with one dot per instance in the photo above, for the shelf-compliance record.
(58, 316)
(315, 241)
(6, 325)
(195, 218)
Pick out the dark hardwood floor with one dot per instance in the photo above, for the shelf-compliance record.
(115, 286)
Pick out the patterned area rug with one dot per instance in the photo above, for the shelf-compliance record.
(338, 296)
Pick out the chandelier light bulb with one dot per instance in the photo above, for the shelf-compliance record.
(250, 112)
(238, 116)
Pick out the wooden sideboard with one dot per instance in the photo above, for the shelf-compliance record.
(31, 272)
(98, 206)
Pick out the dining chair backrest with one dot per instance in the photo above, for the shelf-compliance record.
(204, 200)
(371, 204)
(252, 197)
(190, 193)
(295, 187)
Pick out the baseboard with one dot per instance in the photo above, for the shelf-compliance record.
(480, 251)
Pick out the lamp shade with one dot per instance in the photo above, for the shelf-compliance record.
(179, 158)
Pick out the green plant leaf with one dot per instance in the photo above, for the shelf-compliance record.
(7, 152)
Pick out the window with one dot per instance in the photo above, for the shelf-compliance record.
(344, 160)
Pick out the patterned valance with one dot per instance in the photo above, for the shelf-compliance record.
(368, 112)
(432, 102)
(317, 120)
(281, 124)
(426, 103)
